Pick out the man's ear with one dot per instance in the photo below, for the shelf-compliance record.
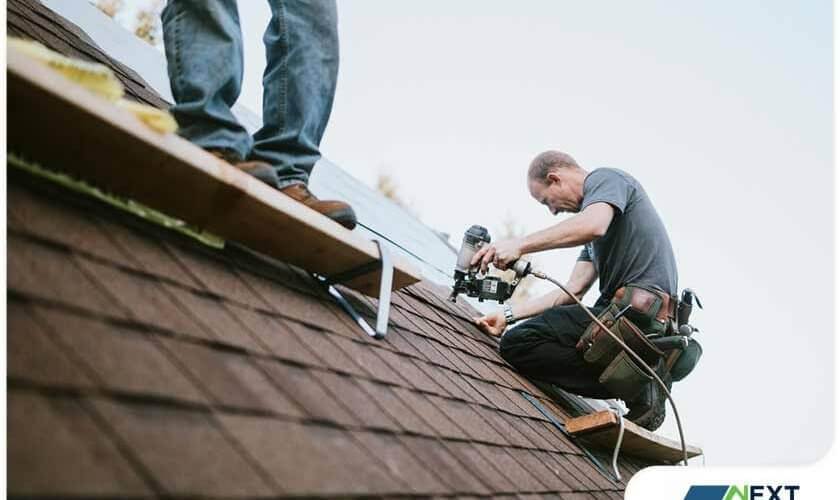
(552, 177)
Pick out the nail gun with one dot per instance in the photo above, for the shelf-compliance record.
(470, 281)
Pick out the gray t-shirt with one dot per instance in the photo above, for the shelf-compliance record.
(635, 248)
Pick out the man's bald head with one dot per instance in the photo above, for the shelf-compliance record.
(549, 161)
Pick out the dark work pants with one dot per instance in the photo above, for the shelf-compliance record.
(543, 348)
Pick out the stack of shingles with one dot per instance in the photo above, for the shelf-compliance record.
(140, 365)
(31, 20)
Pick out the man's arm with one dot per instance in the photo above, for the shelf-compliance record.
(590, 224)
(583, 275)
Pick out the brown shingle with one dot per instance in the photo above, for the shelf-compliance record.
(145, 298)
(588, 471)
(504, 460)
(559, 468)
(302, 387)
(356, 400)
(498, 430)
(215, 319)
(55, 448)
(558, 438)
(495, 397)
(408, 370)
(216, 276)
(443, 386)
(148, 255)
(276, 335)
(397, 340)
(423, 406)
(405, 416)
(183, 450)
(34, 356)
(466, 418)
(122, 360)
(436, 456)
(573, 476)
(479, 466)
(468, 392)
(542, 472)
(230, 379)
(299, 306)
(52, 274)
(326, 347)
(507, 429)
(29, 213)
(425, 346)
(526, 408)
(399, 462)
(310, 459)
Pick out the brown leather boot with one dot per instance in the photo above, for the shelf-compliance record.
(336, 210)
(258, 169)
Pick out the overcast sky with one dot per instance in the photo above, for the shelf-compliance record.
(723, 111)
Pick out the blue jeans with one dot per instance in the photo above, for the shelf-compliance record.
(203, 42)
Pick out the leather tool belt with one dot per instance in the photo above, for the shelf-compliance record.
(633, 312)
(651, 310)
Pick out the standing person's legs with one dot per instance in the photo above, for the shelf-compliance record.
(543, 348)
(301, 44)
(203, 44)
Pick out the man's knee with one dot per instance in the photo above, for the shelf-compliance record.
(514, 341)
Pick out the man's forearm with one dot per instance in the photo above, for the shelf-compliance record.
(590, 224)
(569, 233)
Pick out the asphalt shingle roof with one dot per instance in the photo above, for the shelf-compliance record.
(142, 362)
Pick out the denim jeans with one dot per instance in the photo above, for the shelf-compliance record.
(203, 42)
(543, 348)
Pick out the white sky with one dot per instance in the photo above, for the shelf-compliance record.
(721, 109)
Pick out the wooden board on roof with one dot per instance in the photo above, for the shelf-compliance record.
(63, 126)
(601, 429)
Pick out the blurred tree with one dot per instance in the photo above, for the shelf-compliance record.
(141, 17)
(148, 25)
(388, 186)
(110, 7)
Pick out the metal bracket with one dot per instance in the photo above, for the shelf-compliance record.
(386, 264)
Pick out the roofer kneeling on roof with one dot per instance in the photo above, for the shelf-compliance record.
(626, 247)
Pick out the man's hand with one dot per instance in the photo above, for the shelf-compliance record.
(492, 324)
(502, 254)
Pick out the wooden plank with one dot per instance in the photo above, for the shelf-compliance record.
(61, 125)
(601, 429)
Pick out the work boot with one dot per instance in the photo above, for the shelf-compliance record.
(258, 169)
(336, 210)
(648, 408)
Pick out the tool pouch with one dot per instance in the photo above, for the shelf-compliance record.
(624, 378)
(599, 347)
(622, 375)
(688, 359)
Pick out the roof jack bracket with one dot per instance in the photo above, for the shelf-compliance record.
(617, 444)
(386, 281)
